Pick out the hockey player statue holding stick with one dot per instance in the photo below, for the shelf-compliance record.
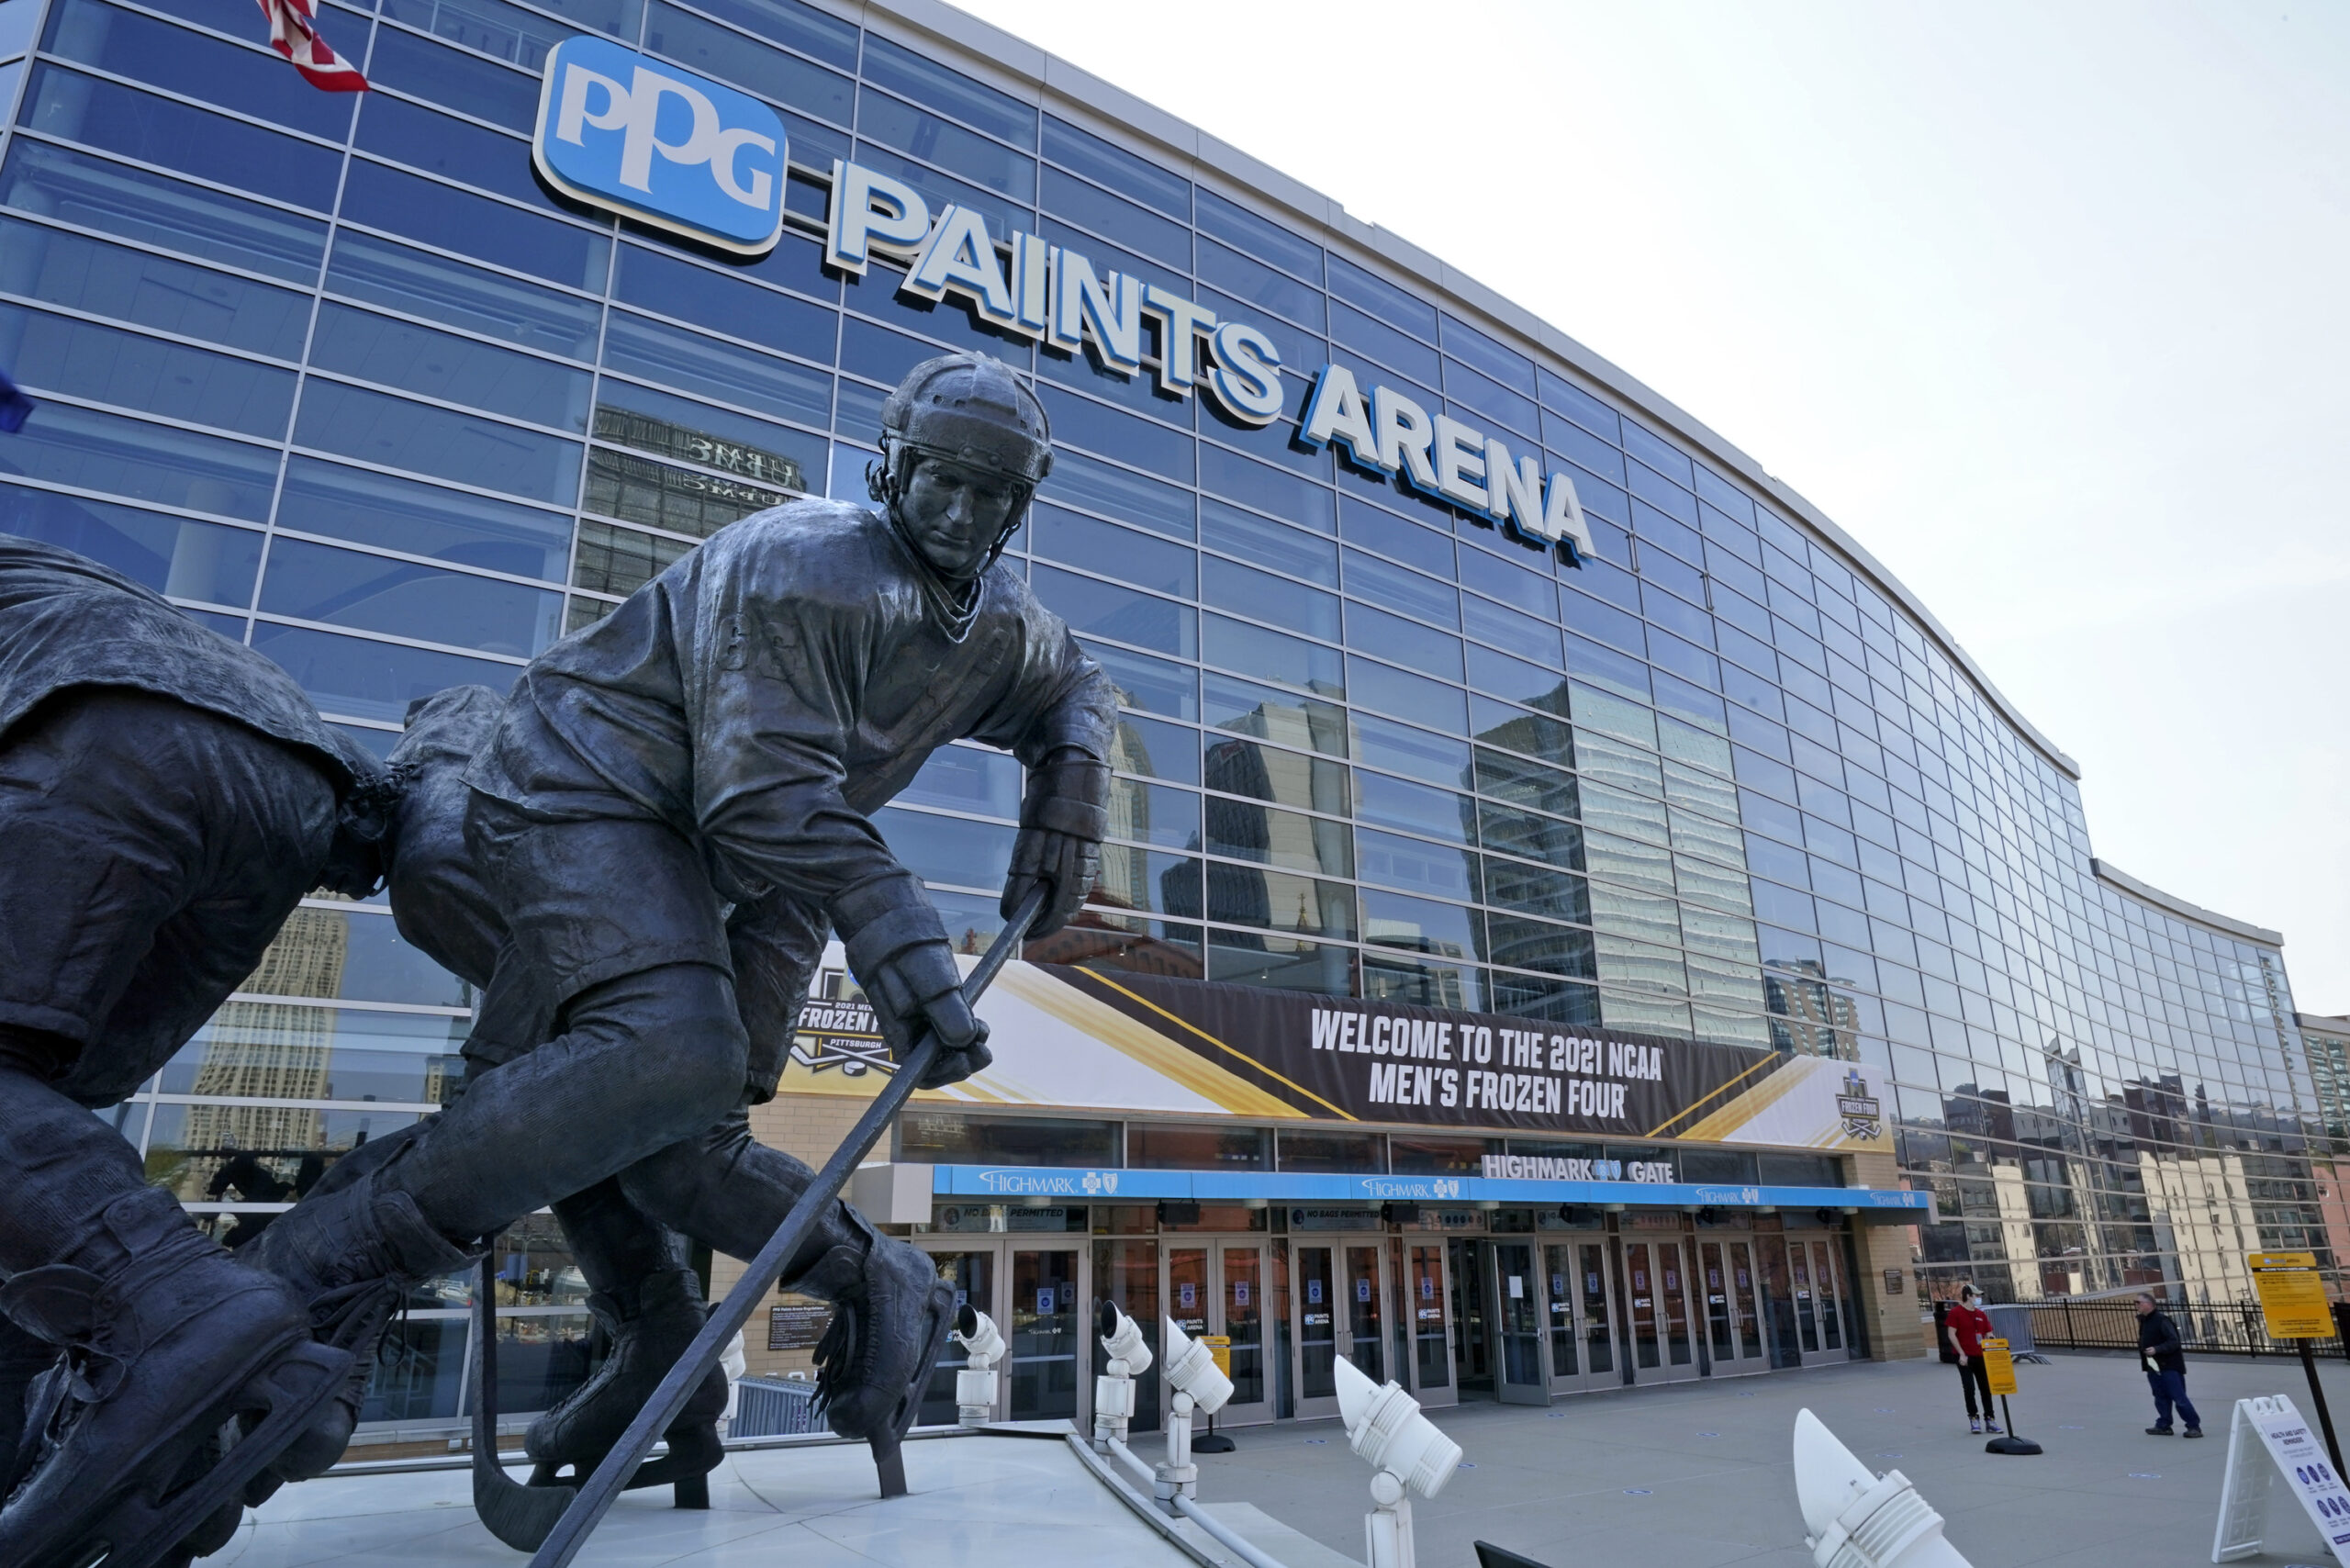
(668, 813)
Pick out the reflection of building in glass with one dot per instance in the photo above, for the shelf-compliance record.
(1809, 1017)
(263, 1050)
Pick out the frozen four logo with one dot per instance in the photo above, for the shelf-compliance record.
(670, 149)
(1863, 1114)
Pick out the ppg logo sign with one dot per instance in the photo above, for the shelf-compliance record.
(667, 148)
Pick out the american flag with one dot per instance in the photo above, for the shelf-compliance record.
(294, 33)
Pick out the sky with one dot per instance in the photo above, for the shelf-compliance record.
(2044, 304)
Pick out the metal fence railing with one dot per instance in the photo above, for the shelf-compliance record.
(2231, 1329)
(774, 1407)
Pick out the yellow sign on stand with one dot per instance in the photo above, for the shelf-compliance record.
(2292, 1296)
(2000, 1366)
(1220, 1348)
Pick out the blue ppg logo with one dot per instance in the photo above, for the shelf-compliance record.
(679, 151)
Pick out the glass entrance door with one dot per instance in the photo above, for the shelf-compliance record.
(1662, 1319)
(1578, 1316)
(1341, 1310)
(1782, 1341)
(1314, 1278)
(1047, 1335)
(1217, 1287)
(1365, 1304)
(1426, 1294)
(1726, 1284)
(1240, 1308)
(1828, 1301)
(1472, 1358)
(973, 1276)
(1518, 1295)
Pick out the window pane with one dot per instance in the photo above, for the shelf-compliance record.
(1261, 595)
(440, 364)
(137, 204)
(1245, 831)
(950, 92)
(376, 428)
(1278, 547)
(1415, 865)
(368, 679)
(1120, 493)
(1155, 748)
(1152, 685)
(453, 149)
(671, 426)
(508, 31)
(1406, 696)
(62, 353)
(374, 593)
(1282, 717)
(622, 560)
(1152, 813)
(407, 63)
(1239, 645)
(145, 461)
(1114, 551)
(1399, 748)
(895, 123)
(434, 214)
(683, 359)
(1284, 777)
(1103, 610)
(115, 119)
(707, 298)
(769, 72)
(1513, 885)
(174, 556)
(947, 850)
(637, 489)
(492, 304)
(76, 271)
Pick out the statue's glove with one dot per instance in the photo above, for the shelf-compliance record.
(898, 949)
(1062, 819)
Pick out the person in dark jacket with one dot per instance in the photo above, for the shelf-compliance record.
(2163, 1355)
(166, 798)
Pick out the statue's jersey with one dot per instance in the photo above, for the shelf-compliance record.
(66, 620)
(768, 691)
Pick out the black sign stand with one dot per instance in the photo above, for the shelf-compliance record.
(1212, 1442)
(2010, 1443)
(2324, 1417)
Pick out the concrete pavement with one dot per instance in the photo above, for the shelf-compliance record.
(1694, 1475)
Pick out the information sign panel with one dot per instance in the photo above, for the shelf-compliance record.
(2000, 1366)
(2300, 1458)
(2292, 1296)
(1220, 1348)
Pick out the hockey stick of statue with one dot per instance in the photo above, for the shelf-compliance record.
(517, 1515)
(726, 1319)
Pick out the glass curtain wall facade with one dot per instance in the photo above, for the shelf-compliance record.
(342, 378)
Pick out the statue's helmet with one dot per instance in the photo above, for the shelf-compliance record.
(967, 408)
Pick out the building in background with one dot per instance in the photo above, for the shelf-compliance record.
(345, 380)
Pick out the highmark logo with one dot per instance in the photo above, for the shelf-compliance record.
(1051, 1183)
(663, 146)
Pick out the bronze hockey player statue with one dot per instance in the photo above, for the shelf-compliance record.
(664, 820)
(166, 798)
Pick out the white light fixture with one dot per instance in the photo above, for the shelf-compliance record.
(975, 1385)
(1114, 1391)
(1385, 1428)
(1199, 1384)
(1855, 1518)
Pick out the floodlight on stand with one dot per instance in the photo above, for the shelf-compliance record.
(1114, 1391)
(974, 1384)
(1855, 1518)
(1384, 1426)
(1199, 1384)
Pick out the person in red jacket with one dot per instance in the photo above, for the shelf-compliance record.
(1966, 1326)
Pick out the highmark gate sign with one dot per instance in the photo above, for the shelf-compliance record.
(622, 131)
